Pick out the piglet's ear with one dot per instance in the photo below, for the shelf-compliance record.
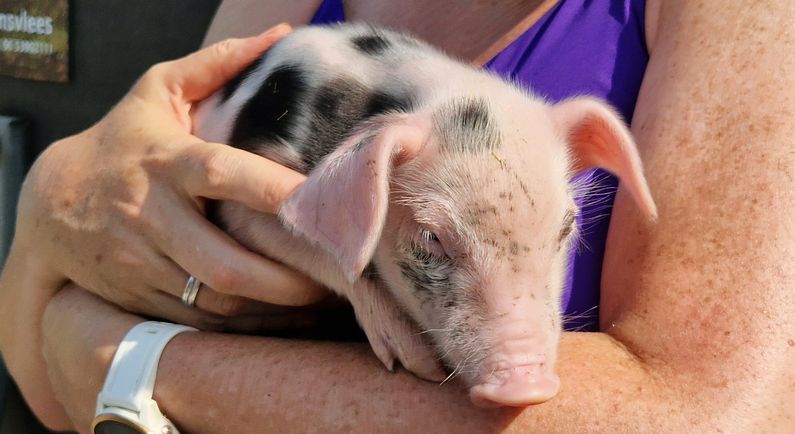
(599, 138)
(342, 205)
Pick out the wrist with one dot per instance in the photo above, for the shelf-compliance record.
(126, 399)
(102, 346)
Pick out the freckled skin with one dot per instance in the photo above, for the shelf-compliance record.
(721, 257)
(662, 362)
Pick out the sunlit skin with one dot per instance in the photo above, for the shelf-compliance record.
(697, 311)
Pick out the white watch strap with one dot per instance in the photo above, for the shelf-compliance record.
(131, 378)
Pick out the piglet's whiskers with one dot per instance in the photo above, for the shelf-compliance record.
(449, 377)
(589, 313)
(458, 369)
(447, 330)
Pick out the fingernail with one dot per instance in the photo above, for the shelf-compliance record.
(278, 29)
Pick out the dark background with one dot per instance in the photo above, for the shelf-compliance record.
(112, 42)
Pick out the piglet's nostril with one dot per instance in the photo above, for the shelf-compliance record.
(516, 386)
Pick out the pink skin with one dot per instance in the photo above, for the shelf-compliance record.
(510, 285)
(509, 311)
(500, 225)
(520, 367)
(468, 226)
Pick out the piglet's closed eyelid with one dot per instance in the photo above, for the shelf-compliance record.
(427, 239)
(449, 243)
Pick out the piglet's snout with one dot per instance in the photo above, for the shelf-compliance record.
(519, 369)
(515, 384)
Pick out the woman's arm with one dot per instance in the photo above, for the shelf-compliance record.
(698, 310)
(706, 299)
(225, 383)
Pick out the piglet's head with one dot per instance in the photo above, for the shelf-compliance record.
(342, 205)
(479, 225)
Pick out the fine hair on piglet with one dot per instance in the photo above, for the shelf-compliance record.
(438, 198)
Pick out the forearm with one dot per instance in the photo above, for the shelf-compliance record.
(223, 383)
(24, 292)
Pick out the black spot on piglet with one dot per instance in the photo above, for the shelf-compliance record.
(380, 103)
(466, 125)
(234, 83)
(372, 44)
(338, 107)
(270, 114)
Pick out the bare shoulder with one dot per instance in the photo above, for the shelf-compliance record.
(240, 18)
(448, 24)
(709, 291)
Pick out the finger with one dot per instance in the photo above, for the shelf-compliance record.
(166, 275)
(225, 173)
(169, 278)
(212, 256)
(227, 305)
(203, 72)
(167, 307)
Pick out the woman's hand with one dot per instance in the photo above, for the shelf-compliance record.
(118, 208)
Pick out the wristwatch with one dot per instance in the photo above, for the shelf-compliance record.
(125, 404)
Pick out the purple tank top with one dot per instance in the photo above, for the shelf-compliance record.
(579, 47)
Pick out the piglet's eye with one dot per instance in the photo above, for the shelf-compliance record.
(428, 235)
(429, 242)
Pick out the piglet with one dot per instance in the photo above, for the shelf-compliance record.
(437, 201)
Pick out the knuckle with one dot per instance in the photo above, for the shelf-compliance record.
(158, 160)
(129, 212)
(224, 279)
(215, 167)
(149, 79)
(156, 71)
(124, 257)
(154, 79)
(136, 216)
(223, 48)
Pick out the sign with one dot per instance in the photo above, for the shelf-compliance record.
(34, 39)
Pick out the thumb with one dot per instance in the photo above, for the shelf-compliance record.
(200, 74)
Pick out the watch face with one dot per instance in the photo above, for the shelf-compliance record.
(113, 426)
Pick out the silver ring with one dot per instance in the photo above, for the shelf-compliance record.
(191, 291)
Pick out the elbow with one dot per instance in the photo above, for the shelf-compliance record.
(713, 387)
